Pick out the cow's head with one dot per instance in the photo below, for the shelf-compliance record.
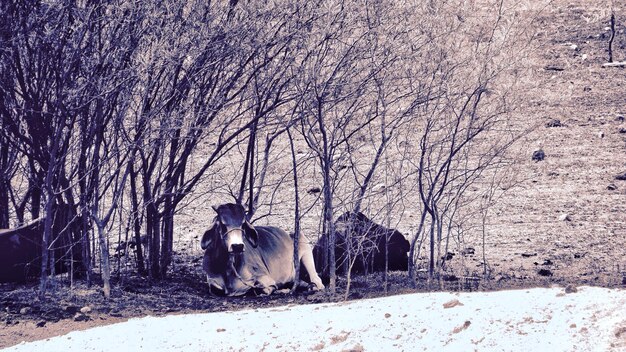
(229, 230)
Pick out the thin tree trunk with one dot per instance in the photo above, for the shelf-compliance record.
(612, 36)
(296, 216)
(412, 248)
(153, 222)
(48, 222)
(4, 202)
(167, 245)
(431, 263)
(105, 264)
(135, 213)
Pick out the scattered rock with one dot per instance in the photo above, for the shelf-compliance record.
(451, 304)
(81, 317)
(41, 323)
(26, 310)
(387, 315)
(356, 348)
(449, 278)
(571, 289)
(601, 134)
(619, 118)
(343, 167)
(221, 330)
(554, 123)
(547, 262)
(468, 251)
(544, 272)
(621, 177)
(85, 310)
(71, 309)
(579, 255)
(528, 254)
(462, 327)
(448, 256)
(587, 89)
(538, 155)
(553, 68)
(314, 190)
(622, 130)
(611, 187)
(565, 217)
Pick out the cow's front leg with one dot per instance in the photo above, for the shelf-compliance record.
(217, 283)
(306, 257)
(265, 284)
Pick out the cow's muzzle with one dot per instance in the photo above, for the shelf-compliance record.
(236, 248)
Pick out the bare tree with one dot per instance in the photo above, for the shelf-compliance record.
(466, 126)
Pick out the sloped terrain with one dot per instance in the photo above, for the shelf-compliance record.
(563, 222)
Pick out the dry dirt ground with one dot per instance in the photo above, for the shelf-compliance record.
(565, 223)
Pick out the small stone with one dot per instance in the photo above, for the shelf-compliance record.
(81, 317)
(553, 68)
(528, 254)
(451, 304)
(448, 256)
(554, 123)
(621, 177)
(611, 187)
(468, 251)
(71, 309)
(387, 315)
(314, 190)
(26, 310)
(544, 272)
(601, 134)
(85, 310)
(565, 217)
(41, 323)
(619, 118)
(571, 289)
(538, 155)
(622, 130)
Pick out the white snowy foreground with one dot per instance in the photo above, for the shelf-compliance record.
(592, 319)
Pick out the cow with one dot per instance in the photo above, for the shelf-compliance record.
(241, 258)
(21, 248)
(368, 241)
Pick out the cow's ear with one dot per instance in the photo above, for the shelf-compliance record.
(209, 236)
(251, 234)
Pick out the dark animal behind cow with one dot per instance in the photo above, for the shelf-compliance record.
(20, 248)
(367, 250)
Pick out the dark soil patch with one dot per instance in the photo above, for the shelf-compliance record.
(25, 316)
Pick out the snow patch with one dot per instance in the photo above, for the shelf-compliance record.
(591, 319)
